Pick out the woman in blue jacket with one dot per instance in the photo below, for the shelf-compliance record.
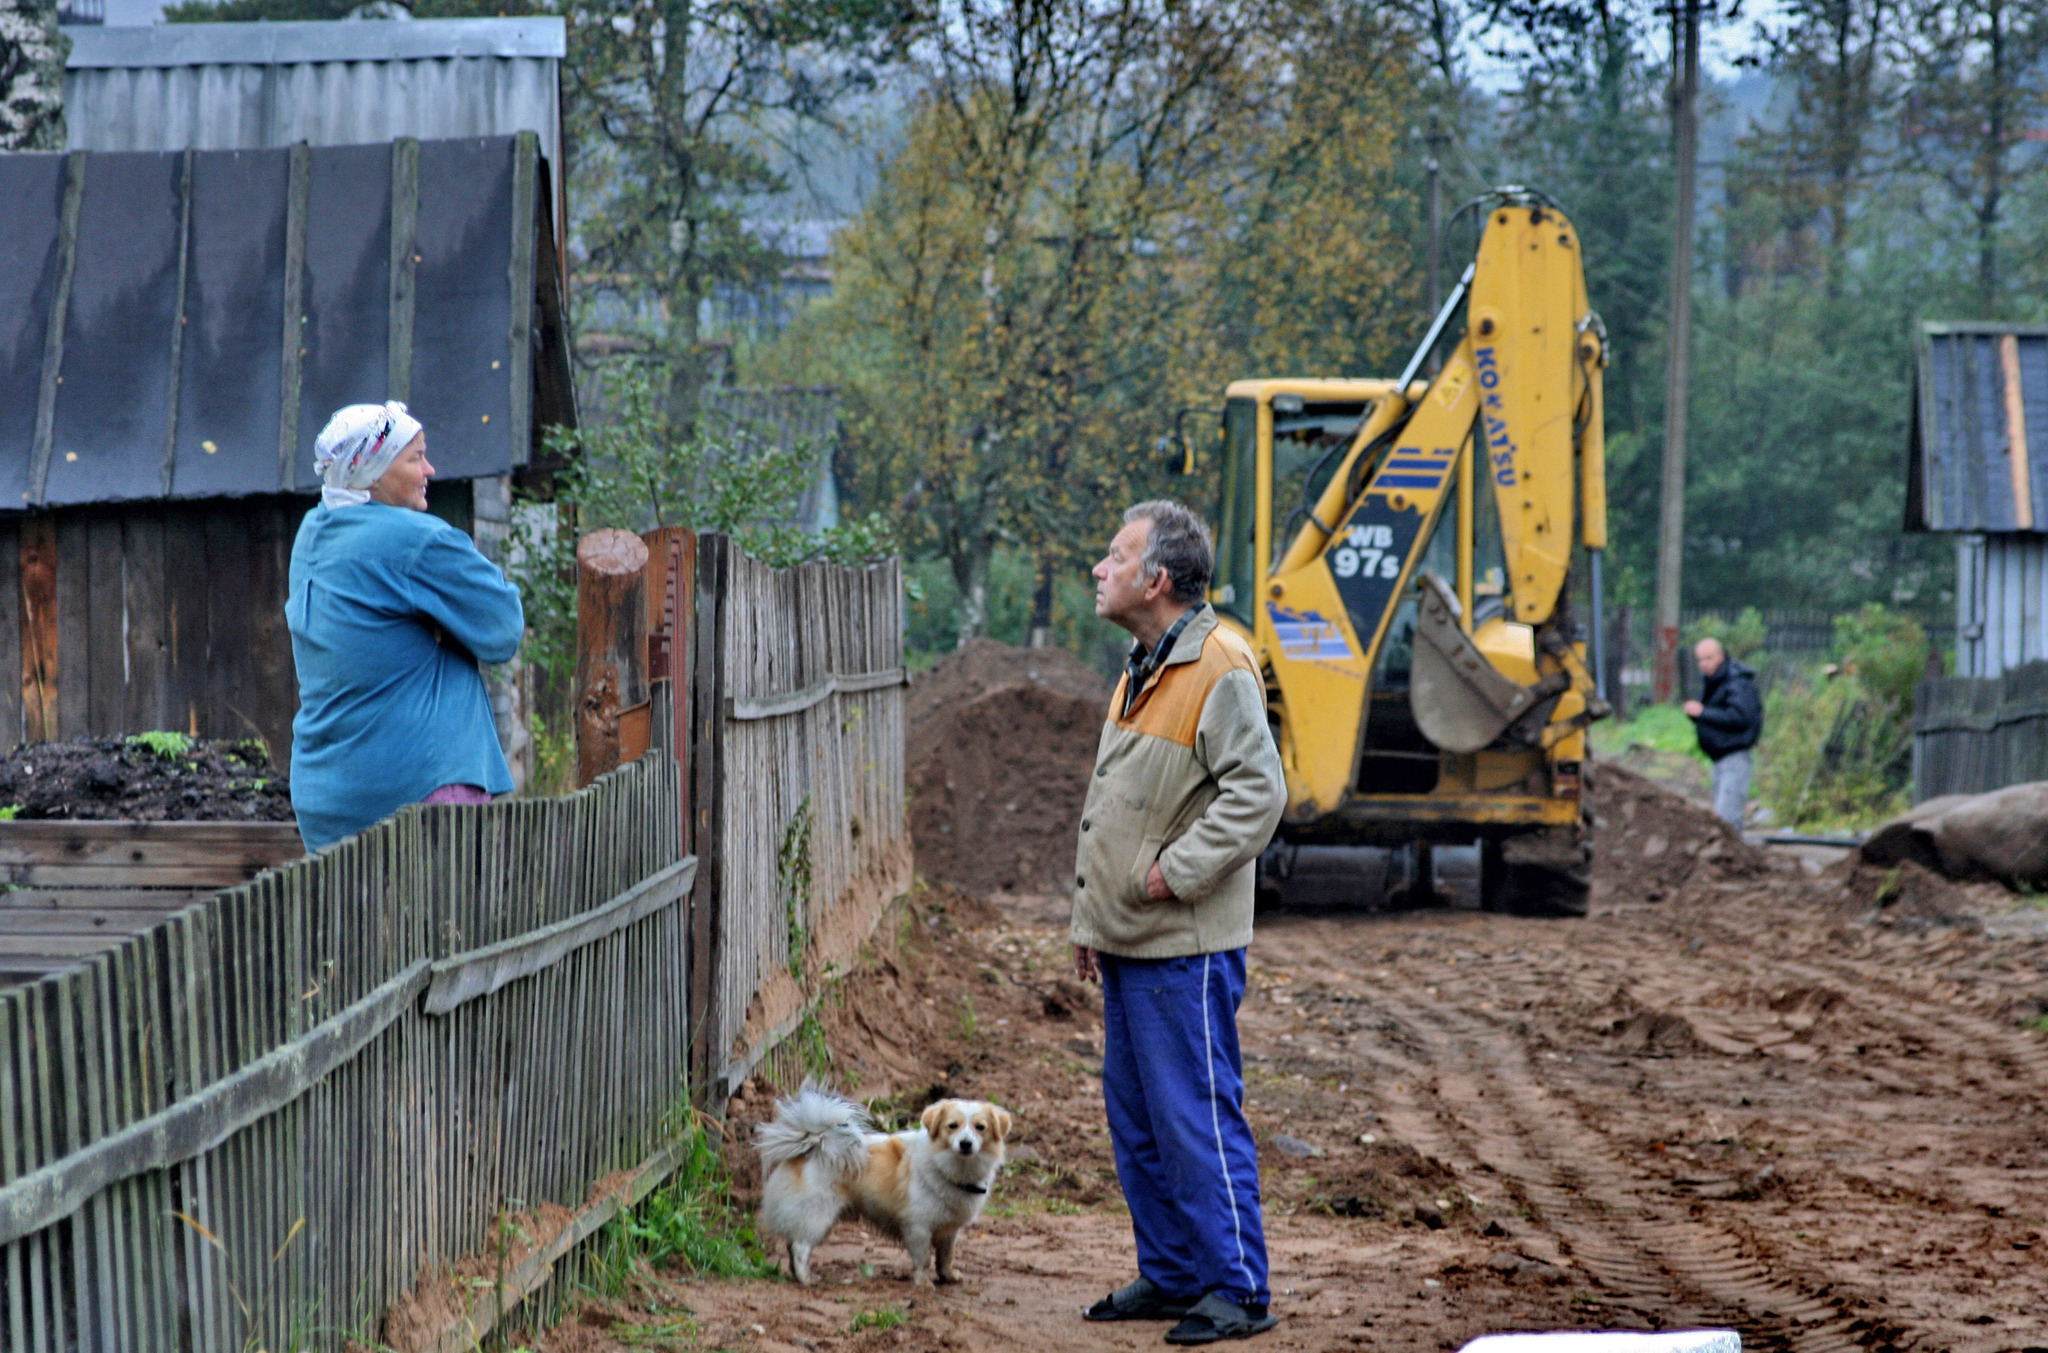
(390, 611)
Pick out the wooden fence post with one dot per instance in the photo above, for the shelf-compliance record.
(611, 652)
(707, 749)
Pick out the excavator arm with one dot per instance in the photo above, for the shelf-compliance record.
(1514, 413)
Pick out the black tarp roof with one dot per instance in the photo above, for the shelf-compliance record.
(147, 348)
(1980, 397)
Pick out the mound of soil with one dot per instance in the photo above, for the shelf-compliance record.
(1002, 741)
(1649, 842)
(103, 778)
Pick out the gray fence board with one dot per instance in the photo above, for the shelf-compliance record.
(1972, 734)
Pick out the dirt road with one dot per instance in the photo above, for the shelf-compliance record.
(1736, 1094)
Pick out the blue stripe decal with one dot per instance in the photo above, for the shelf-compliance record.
(1408, 481)
(1412, 463)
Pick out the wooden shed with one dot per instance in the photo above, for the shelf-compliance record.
(175, 328)
(1978, 469)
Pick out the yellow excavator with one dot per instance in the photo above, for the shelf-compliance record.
(1400, 554)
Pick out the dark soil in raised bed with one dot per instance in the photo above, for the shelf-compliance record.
(101, 778)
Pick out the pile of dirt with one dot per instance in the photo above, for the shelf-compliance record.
(155, 778)
(1650, 842)
(1001, 741)
(1910, 896)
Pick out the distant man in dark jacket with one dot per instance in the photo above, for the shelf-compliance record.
(1729, 717)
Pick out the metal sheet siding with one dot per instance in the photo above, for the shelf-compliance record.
(346, 338)
(2001, 602)
(279, 44)
(30, 214)
(327, 103)
(229, 389)
(117, 375)
(1961, 458)
(176, 372)
(464, 251)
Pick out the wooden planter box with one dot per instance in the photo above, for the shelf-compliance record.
(75, 888)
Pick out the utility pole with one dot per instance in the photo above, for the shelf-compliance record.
(1437, 141)
(1434, 164)
(1685, 128)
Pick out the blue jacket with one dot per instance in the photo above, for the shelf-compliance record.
(390, 611)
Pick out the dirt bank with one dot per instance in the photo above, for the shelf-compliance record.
(1001, 743)
(1736, 1094)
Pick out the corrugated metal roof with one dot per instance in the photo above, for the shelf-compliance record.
(272, 44)
(181, 324)
(237, 86)
(1979, 454)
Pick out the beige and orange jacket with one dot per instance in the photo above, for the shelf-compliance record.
(1188, 778)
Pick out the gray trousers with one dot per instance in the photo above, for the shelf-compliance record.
(1731, 787)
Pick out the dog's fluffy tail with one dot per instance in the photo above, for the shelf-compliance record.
(815, 1122)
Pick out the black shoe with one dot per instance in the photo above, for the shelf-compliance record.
(1142, 1300)
(1216, 1317)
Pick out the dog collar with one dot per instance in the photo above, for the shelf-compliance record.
(971, 1188)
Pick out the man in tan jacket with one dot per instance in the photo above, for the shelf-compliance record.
(1186, 793)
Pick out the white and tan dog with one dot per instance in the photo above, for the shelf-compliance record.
(820, 1161)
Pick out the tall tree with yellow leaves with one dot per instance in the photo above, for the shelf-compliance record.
(1100, 214)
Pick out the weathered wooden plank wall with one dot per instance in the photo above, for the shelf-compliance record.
(1972, 734)
(810, 766)
(76, 888)
(149, 615)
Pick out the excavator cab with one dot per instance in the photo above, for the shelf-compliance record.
(1399, 554)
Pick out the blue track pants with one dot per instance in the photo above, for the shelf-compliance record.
(1173, 1084)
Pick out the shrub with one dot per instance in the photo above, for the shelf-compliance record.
(1743, 637)
(637, 472)
(1838, 740)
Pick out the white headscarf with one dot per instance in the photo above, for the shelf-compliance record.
(357, 446)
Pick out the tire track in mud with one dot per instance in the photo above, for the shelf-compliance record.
(1497, 1111)
(1983, 1055)
(1968, 1036)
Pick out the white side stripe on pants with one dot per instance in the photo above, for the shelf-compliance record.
(1216, 1124)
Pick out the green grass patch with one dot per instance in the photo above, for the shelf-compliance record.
(2039, 1024)
(793, 874)
(1660, 728)
(881, 1318)
(689, 1220)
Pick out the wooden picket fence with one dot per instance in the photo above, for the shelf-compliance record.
(809, 677)
(300, 1112)
(1972, 734)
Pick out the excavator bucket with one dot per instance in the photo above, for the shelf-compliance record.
(1461, 701)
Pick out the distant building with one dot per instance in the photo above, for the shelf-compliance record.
(766, 310)
(1978, 469)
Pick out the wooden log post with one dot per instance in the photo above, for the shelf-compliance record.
(611, 651)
